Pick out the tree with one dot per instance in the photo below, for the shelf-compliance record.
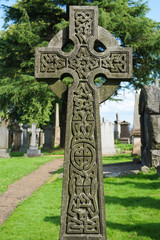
(33, 24)
(21, 96)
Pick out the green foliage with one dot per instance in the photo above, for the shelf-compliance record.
(29, 24)
(21, 96)
(132, 210)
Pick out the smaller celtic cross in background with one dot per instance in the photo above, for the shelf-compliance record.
(33, 131)
(33, 150)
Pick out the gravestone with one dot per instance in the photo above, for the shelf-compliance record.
(41, 138)
(136, 133)
(83, 208)
(33, 150)
(24, 138)
(48, 137)
(125, 133)
(117, 128)
(4, 134)
(17, 132)
(107, 138)
(57, 128)
(149, 110)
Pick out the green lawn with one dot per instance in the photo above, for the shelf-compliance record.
(14, 168)
(118, 158)
(132, 210)
(54, 151)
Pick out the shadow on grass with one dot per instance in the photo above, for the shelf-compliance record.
(17, 154)
(146, 202)
(142, 185)
(153, 176)
(151, 230)
(118, 157)
(153, 185)
(53, 219)
(53, 151)
(60, 170)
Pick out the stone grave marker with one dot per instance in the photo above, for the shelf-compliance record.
(17, 133)
(41, 138)
(33, 150)
(149, 110)
(125, 133)
(117, 127)
(107, 137)
(136, 133)
(48, 137)
(24, 138)
(57, 128)
(83, 208)
(4, 140)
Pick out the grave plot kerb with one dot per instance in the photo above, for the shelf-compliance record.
(83, 205)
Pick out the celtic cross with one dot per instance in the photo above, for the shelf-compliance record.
(83, 208)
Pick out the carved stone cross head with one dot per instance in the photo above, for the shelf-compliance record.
(83, 207)
(84, 62)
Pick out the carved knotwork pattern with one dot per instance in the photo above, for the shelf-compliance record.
(83, 25)
(116, 62)
(83, 63)
(51, 62)
(82, 212)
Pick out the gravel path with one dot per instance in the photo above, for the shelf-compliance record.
(24, 187)
(120, 169)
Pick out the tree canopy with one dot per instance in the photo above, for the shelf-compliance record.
(32, 23)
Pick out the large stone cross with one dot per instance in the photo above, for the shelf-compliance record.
(83, 206)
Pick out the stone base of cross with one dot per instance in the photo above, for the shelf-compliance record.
(83, 205)
(33, 150)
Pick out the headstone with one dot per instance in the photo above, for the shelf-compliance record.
(41, 138)
(4, 134)
(125, 133)
(136, 133)
(149, 110)
(57, 128)
(17, 132)
(33, 150)
(48, 137)
(24, 138)
(107, 138)
(117, 128)
(83, 206)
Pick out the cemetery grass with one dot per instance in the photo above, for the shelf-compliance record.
(14, 168)
(132, 210)
(55, 151)
(118, 158)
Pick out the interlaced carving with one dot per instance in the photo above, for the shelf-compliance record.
(116, 62)
(51, 62)
(83, 25)
(82, 213)
(83, 63)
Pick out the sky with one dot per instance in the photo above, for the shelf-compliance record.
(124, 108)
